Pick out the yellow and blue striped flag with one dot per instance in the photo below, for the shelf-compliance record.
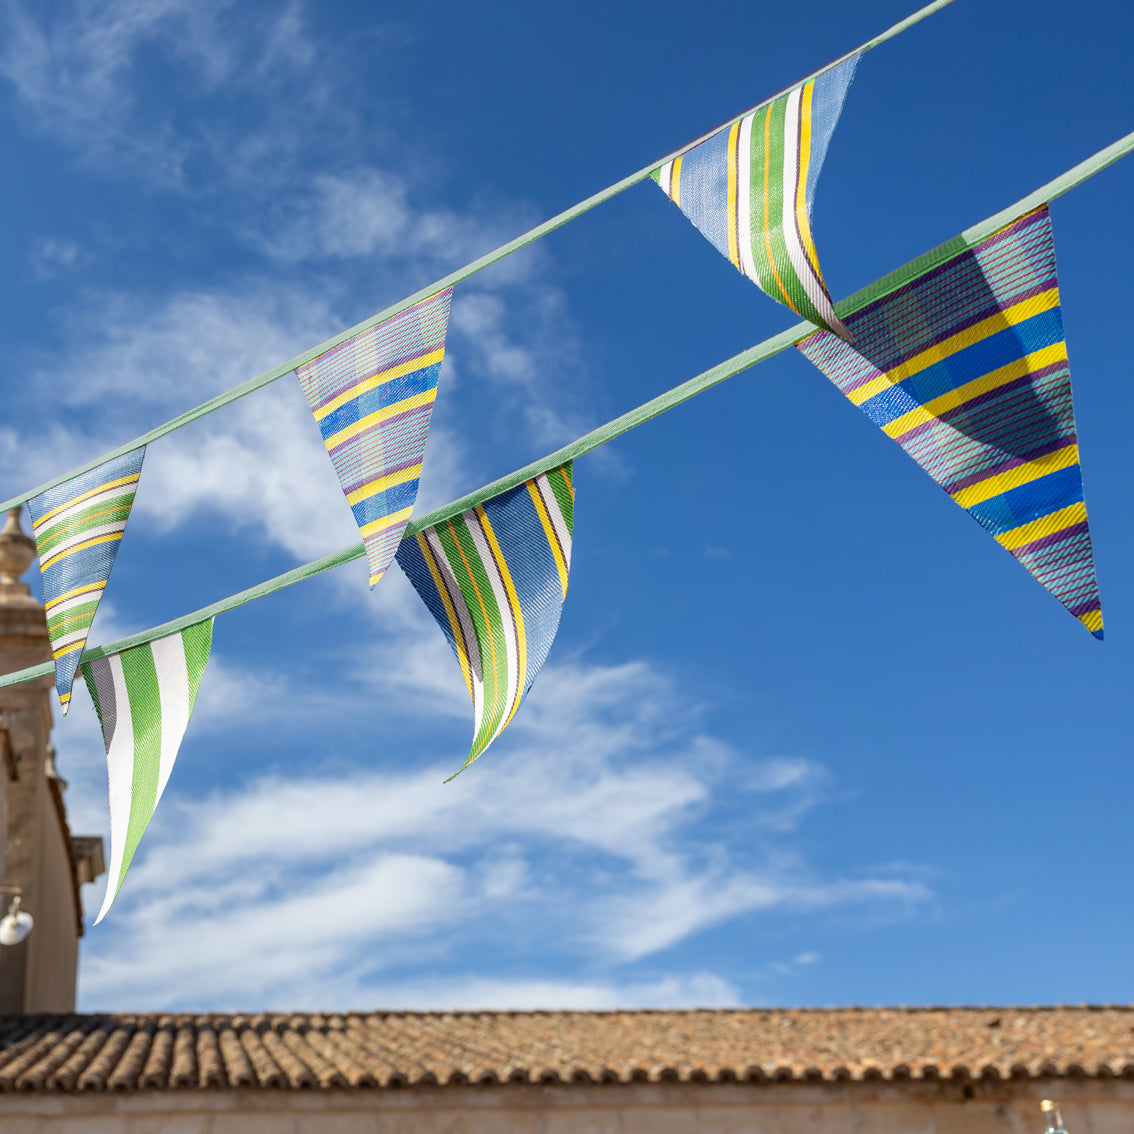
(966, 368)
(372, 398)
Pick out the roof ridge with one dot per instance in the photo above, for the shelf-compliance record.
(282, 1015)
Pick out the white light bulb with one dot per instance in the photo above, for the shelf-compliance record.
(14, 927)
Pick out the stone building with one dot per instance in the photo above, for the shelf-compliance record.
(774, 1071)
(42, 863)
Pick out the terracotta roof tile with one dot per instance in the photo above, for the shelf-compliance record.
(397, 1049)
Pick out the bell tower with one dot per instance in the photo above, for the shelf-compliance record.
(40, 860)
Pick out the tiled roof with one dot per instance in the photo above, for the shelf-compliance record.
(398, 1049)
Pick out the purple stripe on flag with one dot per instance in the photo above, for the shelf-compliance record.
(394, 323)
(381, 426)
(980, 399)
(1048, 540)
(383, 365)
(386, 470)
(1085, 608)
(1004, 466)
(859, 321)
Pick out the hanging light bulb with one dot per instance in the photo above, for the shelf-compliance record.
(1053, 1122)
(15, 925)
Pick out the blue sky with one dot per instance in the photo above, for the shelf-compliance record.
(807, 735)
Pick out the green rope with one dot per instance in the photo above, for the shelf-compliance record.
(471, 269)
(633, 418)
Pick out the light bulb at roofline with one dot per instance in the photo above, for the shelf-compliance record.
(15, 925)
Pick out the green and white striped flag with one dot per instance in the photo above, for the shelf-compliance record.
(144, 697)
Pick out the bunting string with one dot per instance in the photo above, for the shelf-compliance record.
(878, 290)
(469, 270)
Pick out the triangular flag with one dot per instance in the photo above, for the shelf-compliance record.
(78, 527)
(495, 578)
(372, 398)
(966, 368)
(749, 189)
(144, 697)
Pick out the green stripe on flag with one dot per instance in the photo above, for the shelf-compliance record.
(145, 714)
(490, 625)
(72, 618)
(757, 206)
(111, 512)
(796, 296)
(197, 640)
(561, 488)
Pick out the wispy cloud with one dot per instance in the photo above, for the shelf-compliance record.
(76, 77)
(52, 256)
(586, 845)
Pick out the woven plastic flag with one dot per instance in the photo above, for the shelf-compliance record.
(372, 398)
(495, 578)
(78, 527)
(144, 697)
(750, 187)
(966, 368)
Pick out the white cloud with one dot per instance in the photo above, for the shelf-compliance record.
(281, 929)
(77, 78)
(51, 256)
(365, 211)
(578, 836)
(582, 836)
(694, 990)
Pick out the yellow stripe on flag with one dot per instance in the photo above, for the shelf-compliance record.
(110, 536)
(731, 220)
(408, 366)
(1017, 368)
(454, 621)
(970, 336)
(1046, 525)
(381, 483)
(384, 522)
(72, 593)
(131, 479)
(1015, 477)
(426, 397)
(517, 613)
(549, 531)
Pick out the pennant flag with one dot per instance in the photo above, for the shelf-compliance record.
(372, 397)
(966, 368)
(749, 189)
(144, 697)
(495, 578)
(78, 527)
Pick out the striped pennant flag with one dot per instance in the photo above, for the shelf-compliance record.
(750, 187)
(966, 368)
(144, 697)
(372, 398)
(78, 527)
(494, 578)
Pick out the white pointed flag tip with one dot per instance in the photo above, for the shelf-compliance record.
(144, 698)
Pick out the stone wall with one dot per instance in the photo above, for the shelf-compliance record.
(1090, 1106)
(39, 974)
